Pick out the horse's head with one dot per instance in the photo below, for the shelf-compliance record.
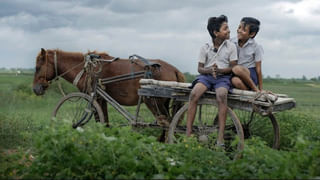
(44, 71)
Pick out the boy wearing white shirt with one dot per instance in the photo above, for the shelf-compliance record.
(215, 64)
(247, 74)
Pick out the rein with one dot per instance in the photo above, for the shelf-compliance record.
(56, 68)
(88, 59)
(56, 71)
(90, 62)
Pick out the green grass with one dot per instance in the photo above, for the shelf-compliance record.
(25, 120)
(19, 104)
(305, 93)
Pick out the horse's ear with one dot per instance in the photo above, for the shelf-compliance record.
(43, 52)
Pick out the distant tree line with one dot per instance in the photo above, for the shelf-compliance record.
(189, 77)
(15, 70)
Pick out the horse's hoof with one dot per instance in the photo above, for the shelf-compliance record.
(162, 121)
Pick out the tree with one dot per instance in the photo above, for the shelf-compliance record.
(304, 77)
(189, 77)
(313, 79)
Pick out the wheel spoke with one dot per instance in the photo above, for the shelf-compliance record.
(78, 109)
(202, 128)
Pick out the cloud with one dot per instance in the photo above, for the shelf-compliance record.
(306, 11)
(169, 30)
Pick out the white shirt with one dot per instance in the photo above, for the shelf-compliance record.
(250, 53)
(227, 52)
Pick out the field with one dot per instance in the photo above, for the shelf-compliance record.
(34, 146)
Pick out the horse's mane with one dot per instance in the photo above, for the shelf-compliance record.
(59, 51)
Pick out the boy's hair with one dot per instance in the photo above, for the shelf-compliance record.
(214, 24)
(254, 24)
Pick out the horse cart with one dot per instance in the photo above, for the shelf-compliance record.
(253, 108)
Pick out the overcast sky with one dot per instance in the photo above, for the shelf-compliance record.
(172, 30)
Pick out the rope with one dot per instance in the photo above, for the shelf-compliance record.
(90, 63)
(56, 70)
(58, 76)
(268, 98)
(79, 75)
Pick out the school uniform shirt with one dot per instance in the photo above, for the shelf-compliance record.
(250, 53)
(227, 52)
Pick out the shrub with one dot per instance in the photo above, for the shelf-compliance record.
(97, 152)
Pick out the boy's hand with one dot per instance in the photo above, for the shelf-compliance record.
(214, 70)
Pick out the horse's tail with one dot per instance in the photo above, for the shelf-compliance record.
(180, 76)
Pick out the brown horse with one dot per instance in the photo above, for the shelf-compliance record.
(53, 63)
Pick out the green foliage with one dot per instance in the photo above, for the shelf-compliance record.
(293, 125)
(31, 148)
(97, 152)
(15, 132)
(261, 162)
(189, 77)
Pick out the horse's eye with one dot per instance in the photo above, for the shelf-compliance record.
(37, 69)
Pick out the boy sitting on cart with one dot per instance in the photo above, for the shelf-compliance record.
(215, 64)
(247, 74)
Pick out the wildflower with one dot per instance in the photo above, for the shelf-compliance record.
(171, 161)
(110, 138)
(79, 129)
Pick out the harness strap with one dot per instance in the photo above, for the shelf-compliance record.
(55, 63)
(147, 62)
(87, 59)
(56, 68)
(79, 75)
(147, 67)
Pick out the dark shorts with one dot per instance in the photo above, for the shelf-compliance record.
(212, 83)
(253, 75)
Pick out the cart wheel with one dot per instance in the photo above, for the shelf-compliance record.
(204, 126)
(256, 125)
(77, 108)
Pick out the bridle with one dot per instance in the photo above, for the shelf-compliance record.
(88, 60)
(55, 59)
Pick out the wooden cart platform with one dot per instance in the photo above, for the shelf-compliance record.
(262, 103)
(266, 104)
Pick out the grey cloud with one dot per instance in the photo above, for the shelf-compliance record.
(170, 30)
(142, 6)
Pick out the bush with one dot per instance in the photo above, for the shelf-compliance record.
(14, 130)
(261, 162)
(292, 125)
(97, 152)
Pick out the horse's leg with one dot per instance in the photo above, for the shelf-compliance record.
(165, 103)
(160, 109)
(104, 107)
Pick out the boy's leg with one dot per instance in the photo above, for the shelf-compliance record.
(195, 94)
(221, 94)
(244, 74)
(237, 83)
